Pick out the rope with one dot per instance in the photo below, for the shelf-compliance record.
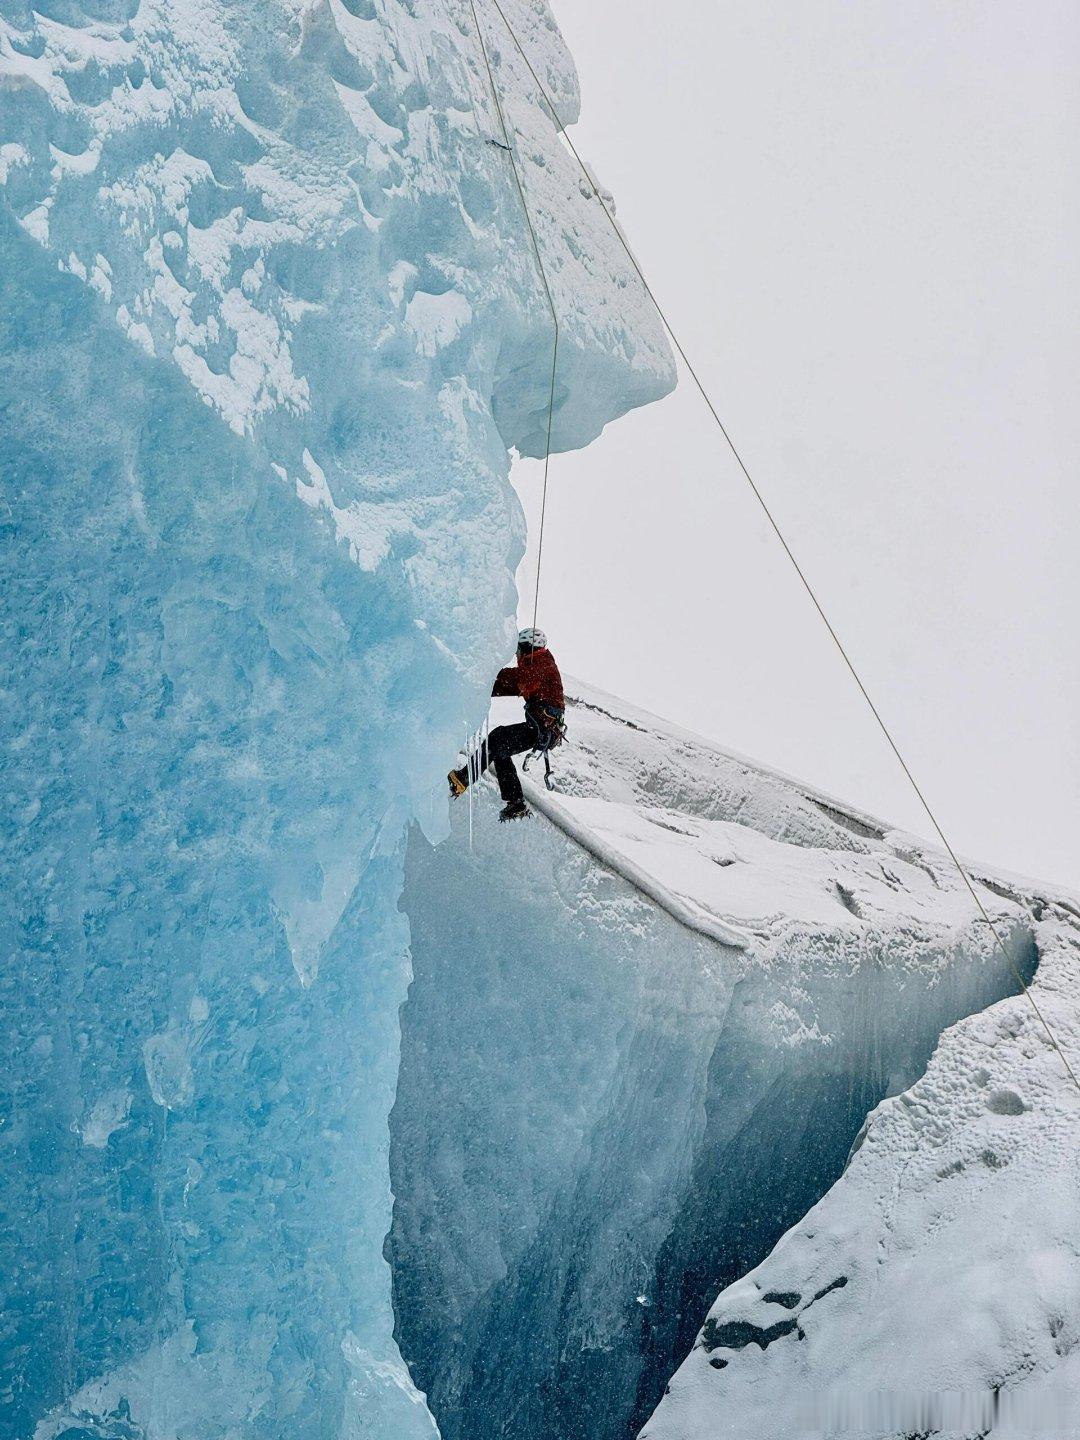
(544, 282)
(759, 497)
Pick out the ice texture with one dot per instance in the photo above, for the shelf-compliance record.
(936, 1287)
(270, 321)
(607, 1111)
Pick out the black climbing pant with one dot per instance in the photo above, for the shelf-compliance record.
(503, 742)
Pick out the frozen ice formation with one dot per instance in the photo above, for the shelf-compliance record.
(644, 1034)
(936, 1287)
(270, 323)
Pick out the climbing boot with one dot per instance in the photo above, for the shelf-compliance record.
(516, 810)
(458, 783)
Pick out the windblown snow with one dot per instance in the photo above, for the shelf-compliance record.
(271, 323)
(645, 1032)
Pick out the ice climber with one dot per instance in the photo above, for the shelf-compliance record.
(536, 679)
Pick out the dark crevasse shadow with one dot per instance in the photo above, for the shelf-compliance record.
(744, 1195)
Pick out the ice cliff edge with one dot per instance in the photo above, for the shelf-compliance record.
(270, 322)
(713, 1038)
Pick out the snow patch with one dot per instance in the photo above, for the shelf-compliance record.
(436, 320)
(108, 1114)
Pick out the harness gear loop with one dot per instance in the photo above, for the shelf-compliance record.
(549, 783)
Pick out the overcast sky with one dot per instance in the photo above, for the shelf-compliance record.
(864, 221)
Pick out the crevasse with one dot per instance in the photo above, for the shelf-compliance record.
(270, 323)
(606, 1116)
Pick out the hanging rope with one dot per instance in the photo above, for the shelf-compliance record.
(547, 291)
(759, 497)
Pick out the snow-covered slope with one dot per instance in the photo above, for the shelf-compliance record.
(645, 1030)
(270, 322)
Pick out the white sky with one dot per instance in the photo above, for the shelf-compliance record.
(864, 221)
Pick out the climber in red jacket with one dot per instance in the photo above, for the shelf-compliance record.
(536, 679)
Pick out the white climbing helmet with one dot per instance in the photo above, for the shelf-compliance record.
(535, 639)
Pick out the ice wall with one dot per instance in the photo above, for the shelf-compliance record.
(603, 1115)
(269, 323)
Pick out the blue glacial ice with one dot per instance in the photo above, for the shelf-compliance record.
(270, 325)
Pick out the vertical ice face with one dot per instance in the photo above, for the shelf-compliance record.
(270, 321)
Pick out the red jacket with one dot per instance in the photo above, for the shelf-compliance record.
(534, 677)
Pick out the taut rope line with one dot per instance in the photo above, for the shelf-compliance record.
(759, 497)
(544, 280)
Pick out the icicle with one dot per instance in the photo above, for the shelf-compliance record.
(476, 744)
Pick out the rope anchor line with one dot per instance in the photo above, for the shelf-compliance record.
(757, 494)
(507, 145)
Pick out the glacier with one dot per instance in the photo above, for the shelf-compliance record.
(702, 1105)
(646, 1036)
(270, 328)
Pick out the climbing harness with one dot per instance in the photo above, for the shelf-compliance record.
(549, 725)
(757, 493)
